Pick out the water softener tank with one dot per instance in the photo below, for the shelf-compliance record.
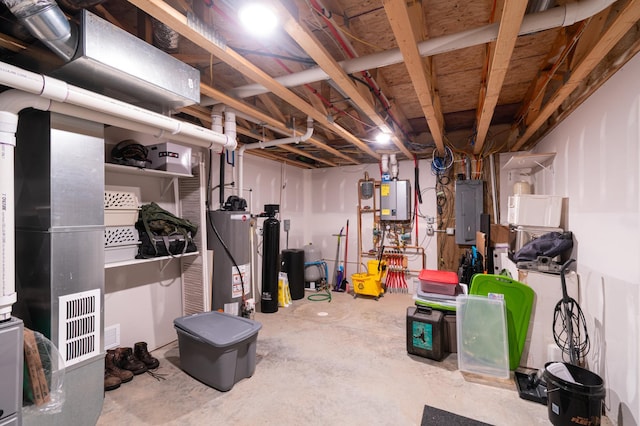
(270, 260)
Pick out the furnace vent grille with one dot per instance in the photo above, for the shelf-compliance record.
(79, 326)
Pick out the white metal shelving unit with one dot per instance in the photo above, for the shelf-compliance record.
(150, 284)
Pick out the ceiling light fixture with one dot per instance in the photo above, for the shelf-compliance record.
(258, 19)
(383, 138)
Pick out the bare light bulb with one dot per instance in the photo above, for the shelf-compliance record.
(258, 19)
(383, 138)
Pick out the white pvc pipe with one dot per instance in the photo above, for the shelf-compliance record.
(494, 189)
(8, 127)
(560, 16)
(393, 163)
(276, 142)
(99, 117)
(57, 90)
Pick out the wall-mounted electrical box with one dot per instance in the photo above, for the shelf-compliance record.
(395, 201)
(469, 200)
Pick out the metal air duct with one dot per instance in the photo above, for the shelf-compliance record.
(105, 59)
(117, 64)
(47, 23)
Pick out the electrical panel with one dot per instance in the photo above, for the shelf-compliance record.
(395, 201)
(469, 201)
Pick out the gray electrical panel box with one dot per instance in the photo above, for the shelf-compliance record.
(469, 200)
(395, 201)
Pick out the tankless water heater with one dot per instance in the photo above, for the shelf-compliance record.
(395, 201)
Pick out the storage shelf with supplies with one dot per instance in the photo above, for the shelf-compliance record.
(119, 168)
(151, 259)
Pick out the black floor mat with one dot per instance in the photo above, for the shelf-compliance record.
(435, 417)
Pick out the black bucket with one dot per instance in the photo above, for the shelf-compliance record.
(574, 403)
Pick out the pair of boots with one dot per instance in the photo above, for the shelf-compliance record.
(121, 364)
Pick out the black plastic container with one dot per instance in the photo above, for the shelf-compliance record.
(293, 265)
(574, 403)
(425, 332)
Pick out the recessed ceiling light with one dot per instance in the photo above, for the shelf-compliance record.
(258, 19)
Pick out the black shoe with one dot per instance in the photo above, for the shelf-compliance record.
(113, 370)
(111, 382)
(123, 358)
(142, 354)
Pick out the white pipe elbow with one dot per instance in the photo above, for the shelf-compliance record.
(230, 130)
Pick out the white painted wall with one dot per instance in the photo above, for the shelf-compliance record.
(333, 199)
(319, 202)
(596, 167)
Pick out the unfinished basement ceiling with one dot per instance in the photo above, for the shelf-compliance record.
(473, 95)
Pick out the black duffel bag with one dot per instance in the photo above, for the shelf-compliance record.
(550, 245)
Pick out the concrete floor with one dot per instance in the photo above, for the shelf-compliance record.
(319, 363)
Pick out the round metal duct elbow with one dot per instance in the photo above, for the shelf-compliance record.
(47, 23)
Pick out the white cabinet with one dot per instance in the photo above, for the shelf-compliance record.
(144, 296)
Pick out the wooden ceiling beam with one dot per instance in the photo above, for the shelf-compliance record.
(512, 15)
(400, 22)
(627, 18)
(323, 58)
(178, 22)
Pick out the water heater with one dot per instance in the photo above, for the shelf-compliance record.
(395, 201)
(231, 264)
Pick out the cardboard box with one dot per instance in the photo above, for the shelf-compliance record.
(500, 234)
(170, 157)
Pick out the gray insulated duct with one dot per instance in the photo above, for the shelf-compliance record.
(46, 22)
(164, 37)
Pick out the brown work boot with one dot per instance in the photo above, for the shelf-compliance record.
(111, 382)
(111, 368)
(142, 354)
(123, 358)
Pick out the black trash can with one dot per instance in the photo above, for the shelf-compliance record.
(574, 403)
(293, 265)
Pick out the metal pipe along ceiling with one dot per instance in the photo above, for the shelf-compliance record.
(560, 16)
